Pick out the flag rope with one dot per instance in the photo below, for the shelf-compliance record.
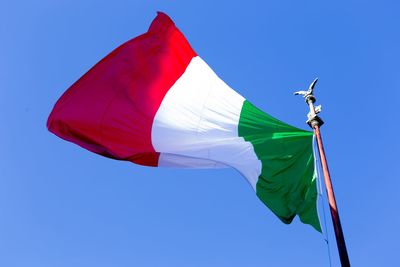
(320, 193)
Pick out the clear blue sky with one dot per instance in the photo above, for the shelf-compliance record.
(63, 206)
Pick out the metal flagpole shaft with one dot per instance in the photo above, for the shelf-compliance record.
(344, 258)
(315, 122)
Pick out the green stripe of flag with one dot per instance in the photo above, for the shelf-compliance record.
(287, 184)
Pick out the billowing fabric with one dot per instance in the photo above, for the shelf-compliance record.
(153, 101)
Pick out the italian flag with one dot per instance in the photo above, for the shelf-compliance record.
(153, 101)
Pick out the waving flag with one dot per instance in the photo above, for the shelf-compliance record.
(153, 101)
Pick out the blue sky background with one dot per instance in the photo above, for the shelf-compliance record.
(63, 206)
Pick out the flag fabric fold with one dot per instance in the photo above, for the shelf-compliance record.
(153, 101)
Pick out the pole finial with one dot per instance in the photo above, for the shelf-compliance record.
(313, 119)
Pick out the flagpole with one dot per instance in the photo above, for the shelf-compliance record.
(315, 122)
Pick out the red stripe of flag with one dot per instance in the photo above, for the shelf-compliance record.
(110, 110)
